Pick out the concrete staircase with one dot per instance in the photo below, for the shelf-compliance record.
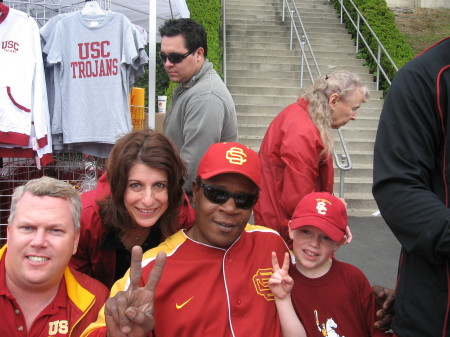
(263, 76)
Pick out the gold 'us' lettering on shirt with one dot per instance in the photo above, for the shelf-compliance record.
(61, 327)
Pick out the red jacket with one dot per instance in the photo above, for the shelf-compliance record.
(101, 263)
(291, 167)
(210, 291)
(68, 314)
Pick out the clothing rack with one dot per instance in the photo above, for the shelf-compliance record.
(81, 171)
(44, 10)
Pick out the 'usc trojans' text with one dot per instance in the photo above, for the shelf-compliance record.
(94, 61)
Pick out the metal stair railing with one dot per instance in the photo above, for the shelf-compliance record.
(380, 48)
(302, 40)
(342, 161)
(224, 42)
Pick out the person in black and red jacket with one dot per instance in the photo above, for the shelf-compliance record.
(411, 177)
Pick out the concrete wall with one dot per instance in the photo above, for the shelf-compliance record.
(401, 3)
(419, 3)
(433, 3)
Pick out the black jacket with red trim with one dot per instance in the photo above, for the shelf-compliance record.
(411, 176)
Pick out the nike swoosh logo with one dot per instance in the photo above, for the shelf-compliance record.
(179, 306)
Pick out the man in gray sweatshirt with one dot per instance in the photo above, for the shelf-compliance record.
(202, 111)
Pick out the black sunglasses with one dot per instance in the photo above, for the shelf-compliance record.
(219, 196)
(174, 57)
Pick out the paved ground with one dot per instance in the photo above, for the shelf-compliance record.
(374, 250)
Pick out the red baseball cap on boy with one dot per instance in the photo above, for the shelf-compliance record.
(229, 157)
(324, 211)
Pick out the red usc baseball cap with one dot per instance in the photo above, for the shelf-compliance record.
(324, 211)
(229, 157)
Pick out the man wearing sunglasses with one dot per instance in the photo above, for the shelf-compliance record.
(215, 278)
(202, 111)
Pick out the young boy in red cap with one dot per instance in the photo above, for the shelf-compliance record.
(320, 296)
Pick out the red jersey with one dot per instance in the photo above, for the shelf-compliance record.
(209, 291)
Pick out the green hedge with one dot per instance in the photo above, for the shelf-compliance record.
(209, 14)
(382, 22)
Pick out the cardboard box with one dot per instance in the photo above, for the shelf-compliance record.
(159, 120)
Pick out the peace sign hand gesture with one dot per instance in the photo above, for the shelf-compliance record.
(280, 282)
(130, 313)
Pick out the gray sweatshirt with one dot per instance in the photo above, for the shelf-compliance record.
(201, 113)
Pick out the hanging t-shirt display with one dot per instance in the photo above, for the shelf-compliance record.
(95, 56)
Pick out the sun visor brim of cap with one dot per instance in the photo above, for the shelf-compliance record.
(323, 224)
(214, 173)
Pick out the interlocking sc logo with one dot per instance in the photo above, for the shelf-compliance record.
(261, 283)
(236, 155)
(321, 208)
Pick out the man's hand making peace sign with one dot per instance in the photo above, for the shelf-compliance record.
(130, 313)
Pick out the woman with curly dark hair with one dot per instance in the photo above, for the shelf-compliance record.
(138, 201)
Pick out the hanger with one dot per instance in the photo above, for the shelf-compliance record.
(92, 8)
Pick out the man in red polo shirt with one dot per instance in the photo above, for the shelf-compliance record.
(39, 295)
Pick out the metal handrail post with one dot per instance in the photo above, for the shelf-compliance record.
(224, 56)
(284, 6)
(301, 72)
(358, 21)
(342, 177)
(378, 66)
(292, 29)
(302, 45)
